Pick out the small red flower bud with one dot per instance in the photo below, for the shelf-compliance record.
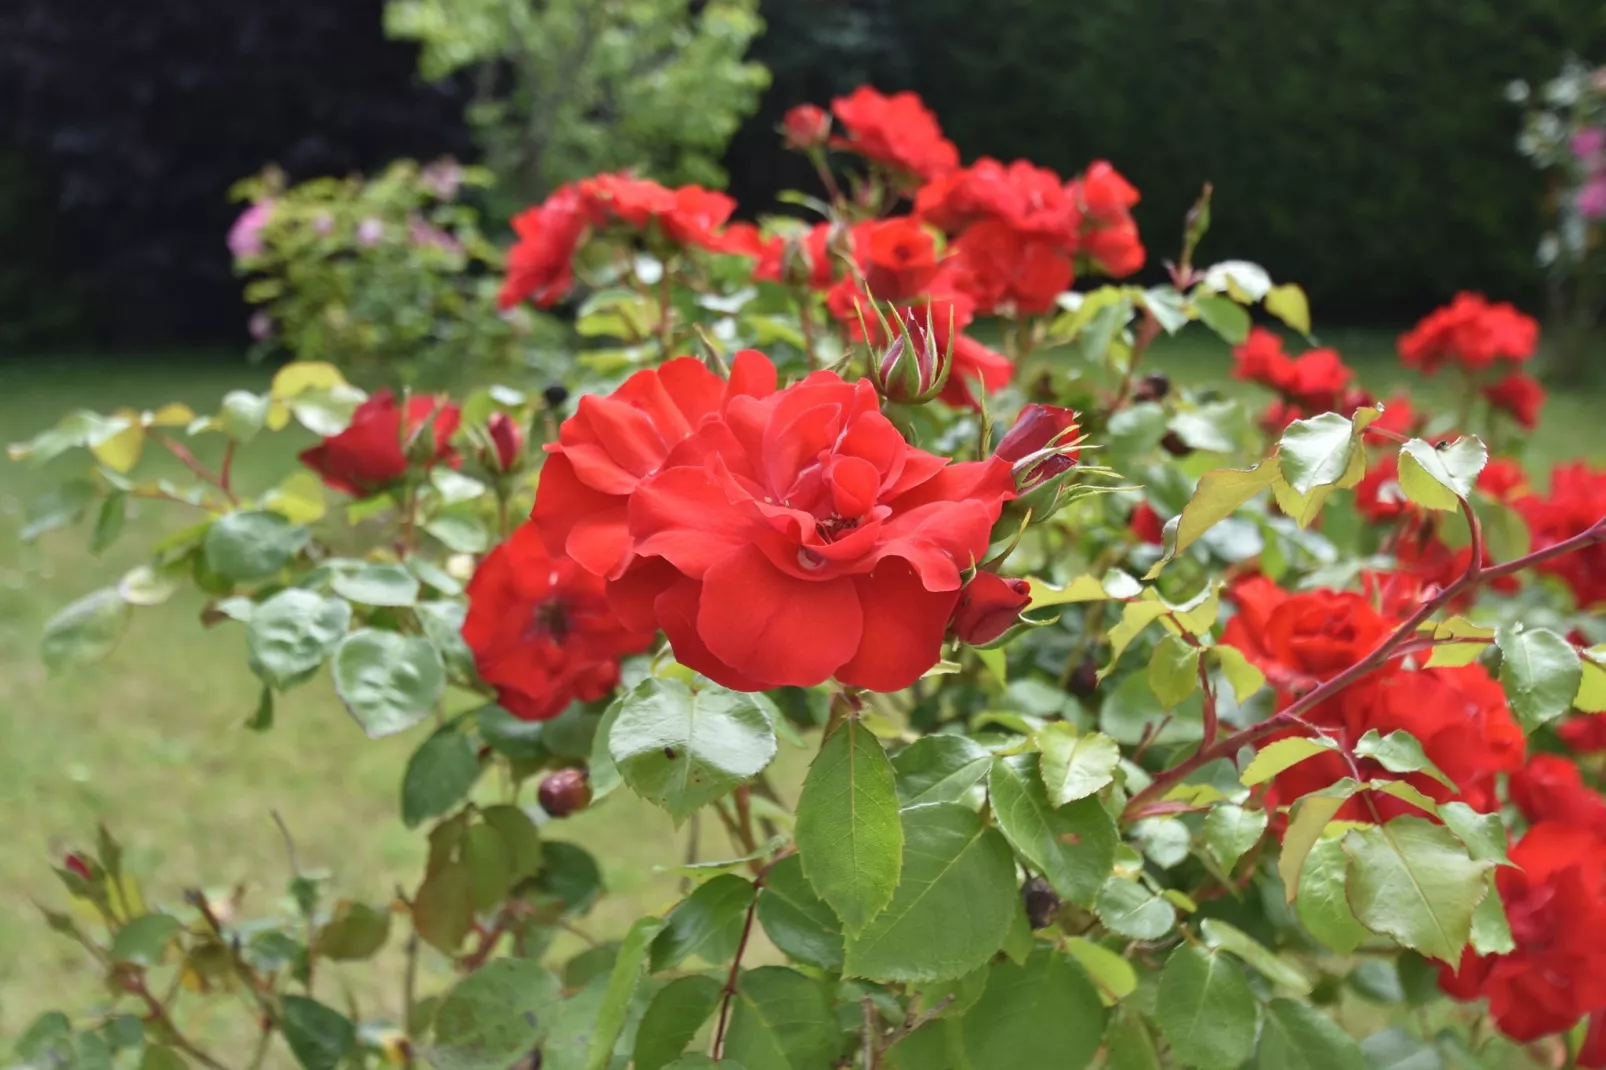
(1041, 445)
(988, 606)
(1085, 680)
(76, 863)
(1147, 525)
(914, 368)
(806, 127)
(568, 791)
(507, 440)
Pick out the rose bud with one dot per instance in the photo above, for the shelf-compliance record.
(988, 607)
(1041, 445)
(913, 369)
(806, 126)
(75, 863)
(507, 442)
(568, 791)
(1041, 901)
(1152, 387)
(1085, 680)
(1146, 524)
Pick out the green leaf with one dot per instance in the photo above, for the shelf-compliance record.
(58, 507)
(1289, 304)
(1220, 493)
(1113, 974)
(848, 834)
(109, 522)
(1205, 1010)
(145, 940)
(389, 682)
(1135, 616)
(1323, 902)
(1129, 908)
(490, 867)
(294, 632)
(520, 837)
(1400, 752)
(85, 630)
(622, 985)
(1316, 452)
(442, 621)
(319, 1036)
(940, 768)
(439, 776)
(443, 908)
(1296, 1036)
(1439, 477)
(160, 1057)
(1073, 845)
(1224, 316)
(1075, 766)
(1307, 820)
(781, 1020)
(1043, 1013)
(1128, 1044)
(952, 907)
(707, 923)
(1412, 880)
(1085, 588)
(1244, 678)
(1591, 697)
(797, 921)
(680, 748)
(1491, 931)
(1230, 830)
(1221, 936)
(252, 545)
(1395, 1049)
(570, 874)
(1483, 834)
(673, 1018)
(1539, 671)
(460, 533)
(47, 1036)
(1284, 754)
(1173, 670)
(355, 931)
(377, 585)
(507, 735)
(494, 1016)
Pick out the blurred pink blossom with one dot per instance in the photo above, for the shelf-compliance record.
(1588, 143)
(369, 231)
(1592, 198)
(260, 325)
(245, 237)
(442, 178)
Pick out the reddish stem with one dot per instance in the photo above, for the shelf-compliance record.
(201, 471)
(718, 1050)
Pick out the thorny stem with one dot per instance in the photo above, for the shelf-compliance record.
(915, 1021)
(1379, 655)
(717, 1051)
(155, 1012)
(409, 994)
(201, 471)
(237, 963)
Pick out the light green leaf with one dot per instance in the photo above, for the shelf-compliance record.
(1222, 936)
(1220, 493)
(1284, 754)
(939, 768)
(1073, 845)
(442, 621)
(622, 985)
(85, 630)
(389, 682)
(1307, 820)
(1483, 834)
(848, 834)
(438, 776)
(1289, 304)
(1244, 678)
(1296, 1036)
(1491, 932)
(355, 931)
(1591, 697)
(1224, 316)
(377, 585)
(252, 545)
(459, 533)
(679, 748)
(1439, 477)
(1129, 908)
(1400, 752)
(781, 1020)
(1539, 671)
(797, 921)
(1230, 830)
(1411, 880)
(1042, 1013)
(673, 1018)
(1395, 1049)
(494, 1016)
(145, 940)
(319, 1036)
(1323, 903)
(1173, 670)
(1074, 765)
(1081, 589)
(1316, 452)
(1135, 616)
(1113, 974)
(707, 923)
(952, 907)
(1205, 1009)
(294, 632)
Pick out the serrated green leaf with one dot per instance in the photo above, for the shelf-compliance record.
(1323, 903)
(319, 1036)
(707, 923)
(1042, 1013)
(1205, 1010)
(1484, 835)
(1491, 932)
(494, 1016)
(1129, 908)
(1230, 830)
(1400, 752)
(293, 633)
(939, 768)
(1307, 820)
(252, 545)
(1220, 493)
(1243, 677)
(1412, 880)
(622, 985)
(1223, 936)
(388, 682)
(1073, 845)
(781, 1019)
(1296, 1036)
(1539, 671)
(85, 630)
(797, 921)
(438, 776)
(377, 585)
(1316, 452)
(1439, 477)
(1282, 755)
(1173, 670)
(673, 1018)
(1074, 765)
(848, 834)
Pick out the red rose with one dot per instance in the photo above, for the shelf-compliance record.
(1040, 428)
(372, 452)
(1470, 331)
(1585, 734)
(1550, 788)
(807, 126)
(1379, 496)
(541, 629)
(1105, 193)
(1519, 396)
(1399, 416)
(897, 130)
(696, 216)
(538, 265)
(612, 443)
(507, 441)
(1300, 639)
(1503, 480)
(1109, 236)
(988, 607)
(901, 257)
(999, 265)
(1260, 359)
(1147, 525)
(1031, 201)
(1114, 249)
(794, 537)
(1318, 380)
(689, 215)
(1576, 501)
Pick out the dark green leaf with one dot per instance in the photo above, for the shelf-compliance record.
(622, 985)
(144, 940)
(797, 921)
(681, 748)
(1128, 1044)
(109, 522)
(377, 585)
(1412, 880)
(1075, 766)
(673, 1018)
(1073, 846)
(519, 836)
(782, 1020)
(941, 768)
(1230, 830)
(84, 631)
(48, 1035)
(570, 873)
(443, 909)
(293, 633)
(494, 1016)
(507, 735)
(1296, 1036)
(1045, 1013)
(1224, 316)
(389, 682)
(252, 545)
(707, 923)
(1128, 908)
(953, 905)
(1206, 1011)
(439, 776)
(355, 931)
(490, 868)
(318, 1036)
(848, 834)
(1539, 671)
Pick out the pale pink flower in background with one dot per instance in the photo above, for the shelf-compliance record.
(260, 325)
(324, 225)
(1588, 143)
(369, 231)
(245, 237)
(442, 178)
(1592, 198)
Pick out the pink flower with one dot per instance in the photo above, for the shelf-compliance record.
(1588, 143)
(1592, 198)
(245, 237)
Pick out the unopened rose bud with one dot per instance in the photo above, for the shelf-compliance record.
(913, 368)
(1041, 901)
(75, 863)
(806, 127)
(988, 607)
(1041, 445)
(507, 442)
(1152, 387)
(568, 791)
(1085, 680)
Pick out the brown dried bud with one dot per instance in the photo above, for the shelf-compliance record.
(568, 791)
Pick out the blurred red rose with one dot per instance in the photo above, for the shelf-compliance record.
(1147, 524)
(372, 451)
(1471, 332)
(806, 126)
(539, 264)
(1584, 734)
(1577, 500)
(900, 257)
(1550, 788)
(988, 607)
(1519, 396)
(541, 630)
(1029, 200)
(998, 265)
(898, 131)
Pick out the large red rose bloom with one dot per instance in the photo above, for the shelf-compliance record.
(368, 455)
(541, 629)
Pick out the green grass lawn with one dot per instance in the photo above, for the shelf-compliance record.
(151, 740)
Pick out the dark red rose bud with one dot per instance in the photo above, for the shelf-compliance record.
(1172, 443)
(1041, 445)
(806, 127)
(1042, 902)
(507, 440)
(555, 395)
(1085, 680)
(1152, 387)
(988, 606)
(1147, 525)
(76, 863)
(568, 791)
(914, 368)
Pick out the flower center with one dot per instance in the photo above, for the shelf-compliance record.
(833, 526)
(550, 620)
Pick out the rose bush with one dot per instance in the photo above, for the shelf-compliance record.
(1146, 730)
